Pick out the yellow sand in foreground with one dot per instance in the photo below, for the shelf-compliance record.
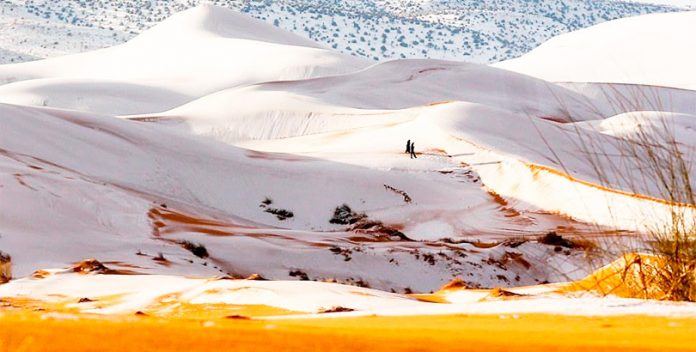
(21, 331)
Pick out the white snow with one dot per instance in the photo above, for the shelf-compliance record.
(184, 131)
(138, 293)
(143, 165)
(194, 53)
(656, 49)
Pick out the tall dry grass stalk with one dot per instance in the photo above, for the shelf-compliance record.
(648, 159)
(665, 164)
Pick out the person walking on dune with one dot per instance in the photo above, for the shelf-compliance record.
(413, 150)
(408, 146)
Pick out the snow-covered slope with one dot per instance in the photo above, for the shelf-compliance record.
(194, 53)
(311, 181)
(657, 49)
(468, 30)
(124, 191)
(385, 93)
(399, 90)
(583, 172)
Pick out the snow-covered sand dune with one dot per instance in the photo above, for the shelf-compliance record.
(72, 160)
(657, 49)
(399, 91)
(217, 129)
(194, 53)
(582, 170)
(381, 94)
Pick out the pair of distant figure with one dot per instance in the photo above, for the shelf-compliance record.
(411, 149)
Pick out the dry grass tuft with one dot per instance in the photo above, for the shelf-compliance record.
(5, 268)
(649, 159)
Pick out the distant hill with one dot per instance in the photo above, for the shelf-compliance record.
(471, 30)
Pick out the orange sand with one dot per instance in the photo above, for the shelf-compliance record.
(22, 331)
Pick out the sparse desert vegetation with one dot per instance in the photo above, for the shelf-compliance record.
(376, 31)
(196, 249)
(281, 214)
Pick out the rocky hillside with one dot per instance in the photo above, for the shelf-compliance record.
(471, 30)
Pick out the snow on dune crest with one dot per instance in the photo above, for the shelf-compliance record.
(395, 91)
(211, 20)
(221, 49)
(384, 93)
(407, 83)
(655, 49)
